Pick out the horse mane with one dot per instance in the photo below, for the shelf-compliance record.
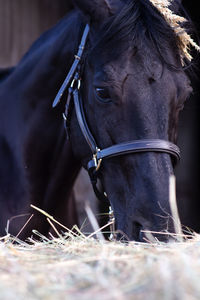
(140, 22)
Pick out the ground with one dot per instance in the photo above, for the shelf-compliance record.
(77, 267)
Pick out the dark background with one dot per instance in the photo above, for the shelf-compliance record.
(188, 171)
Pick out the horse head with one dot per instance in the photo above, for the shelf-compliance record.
(133, 87)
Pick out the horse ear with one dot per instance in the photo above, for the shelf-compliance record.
(98, 10)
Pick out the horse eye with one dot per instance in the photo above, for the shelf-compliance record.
(103, 94)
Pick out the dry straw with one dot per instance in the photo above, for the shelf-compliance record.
(73, 266)
(177, 22)
(77, 266)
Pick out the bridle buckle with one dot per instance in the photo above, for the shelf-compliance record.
(76, 80)
(97, 162)
(112, 236)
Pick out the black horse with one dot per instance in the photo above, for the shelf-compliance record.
(133, 87)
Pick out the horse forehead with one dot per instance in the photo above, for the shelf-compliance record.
(136, 63)
(115, 70)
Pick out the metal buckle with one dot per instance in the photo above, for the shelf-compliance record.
(78, 83)
(97, 162)
(112, 236)
(64, 117)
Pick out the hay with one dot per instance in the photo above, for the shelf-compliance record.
(177, 23)
(73, 267)
(78, 266)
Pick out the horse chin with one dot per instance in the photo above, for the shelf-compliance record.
(142, 235)
(157, 226)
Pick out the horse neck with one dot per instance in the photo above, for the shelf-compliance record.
(30, 89)
(29, 92)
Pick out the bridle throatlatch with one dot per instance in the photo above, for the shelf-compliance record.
(73, 84)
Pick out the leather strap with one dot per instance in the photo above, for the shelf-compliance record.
(73, 69)
(82, 121)
(136, 146)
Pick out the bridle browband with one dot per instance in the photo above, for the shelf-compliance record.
(73, 83)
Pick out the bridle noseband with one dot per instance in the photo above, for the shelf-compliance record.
(73, 83)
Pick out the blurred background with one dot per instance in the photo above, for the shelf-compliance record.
(22, 21)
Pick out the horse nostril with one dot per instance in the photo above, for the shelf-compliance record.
(137, 233)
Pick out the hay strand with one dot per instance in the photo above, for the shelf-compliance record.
(177, 23)
(174, 209)
(71, 268)
(94, 223)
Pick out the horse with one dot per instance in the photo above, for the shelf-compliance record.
(121, 97)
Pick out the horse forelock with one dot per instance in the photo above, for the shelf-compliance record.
(140, 23)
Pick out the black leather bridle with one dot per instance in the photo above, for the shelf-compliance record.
(73, 83)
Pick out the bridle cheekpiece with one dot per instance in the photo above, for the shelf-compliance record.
(73, 83)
